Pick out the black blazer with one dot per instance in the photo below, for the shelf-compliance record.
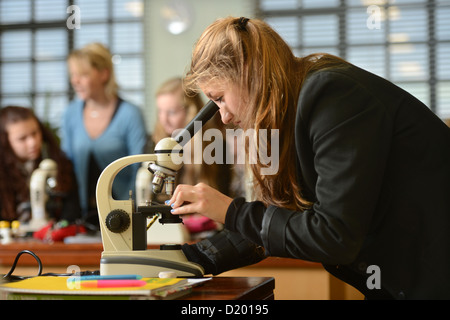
(376, 163)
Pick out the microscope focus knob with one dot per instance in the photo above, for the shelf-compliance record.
(117, 221)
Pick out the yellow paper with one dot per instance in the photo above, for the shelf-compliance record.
(69, 285)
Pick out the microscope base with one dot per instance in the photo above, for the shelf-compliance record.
(148, 263)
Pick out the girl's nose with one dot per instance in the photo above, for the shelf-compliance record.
(226, 116)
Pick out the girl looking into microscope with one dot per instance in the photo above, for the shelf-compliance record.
(25, 142)
(364, 176)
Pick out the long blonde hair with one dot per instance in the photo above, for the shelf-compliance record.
(251, 54)
(99, 57)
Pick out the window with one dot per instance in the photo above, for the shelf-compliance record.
(405, 41)
(35, 42)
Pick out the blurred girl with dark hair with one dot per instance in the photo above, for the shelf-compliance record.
(25, 142)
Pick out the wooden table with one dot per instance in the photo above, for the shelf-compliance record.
(56, 254)
(296, 279)
(59, 254)
(234, 288)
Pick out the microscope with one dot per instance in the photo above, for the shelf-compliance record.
(158, 233)
(124, 227)
(42, 181)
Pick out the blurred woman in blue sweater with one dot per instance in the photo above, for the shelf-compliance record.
(99, 127)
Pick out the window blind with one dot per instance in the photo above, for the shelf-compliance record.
(35, 42)
(405, 41)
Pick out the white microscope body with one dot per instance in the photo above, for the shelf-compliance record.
(123, 228)
(43, 178)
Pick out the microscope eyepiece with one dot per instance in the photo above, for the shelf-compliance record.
(203, 116)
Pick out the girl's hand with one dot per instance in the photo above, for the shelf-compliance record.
(201, 199)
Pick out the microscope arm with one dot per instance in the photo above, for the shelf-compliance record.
(106, 204)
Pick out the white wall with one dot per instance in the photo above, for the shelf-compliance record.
(169, 55)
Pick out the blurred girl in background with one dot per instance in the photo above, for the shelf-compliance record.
(25, 142)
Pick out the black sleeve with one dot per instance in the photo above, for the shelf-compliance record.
(224, 251)
(349, 138)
